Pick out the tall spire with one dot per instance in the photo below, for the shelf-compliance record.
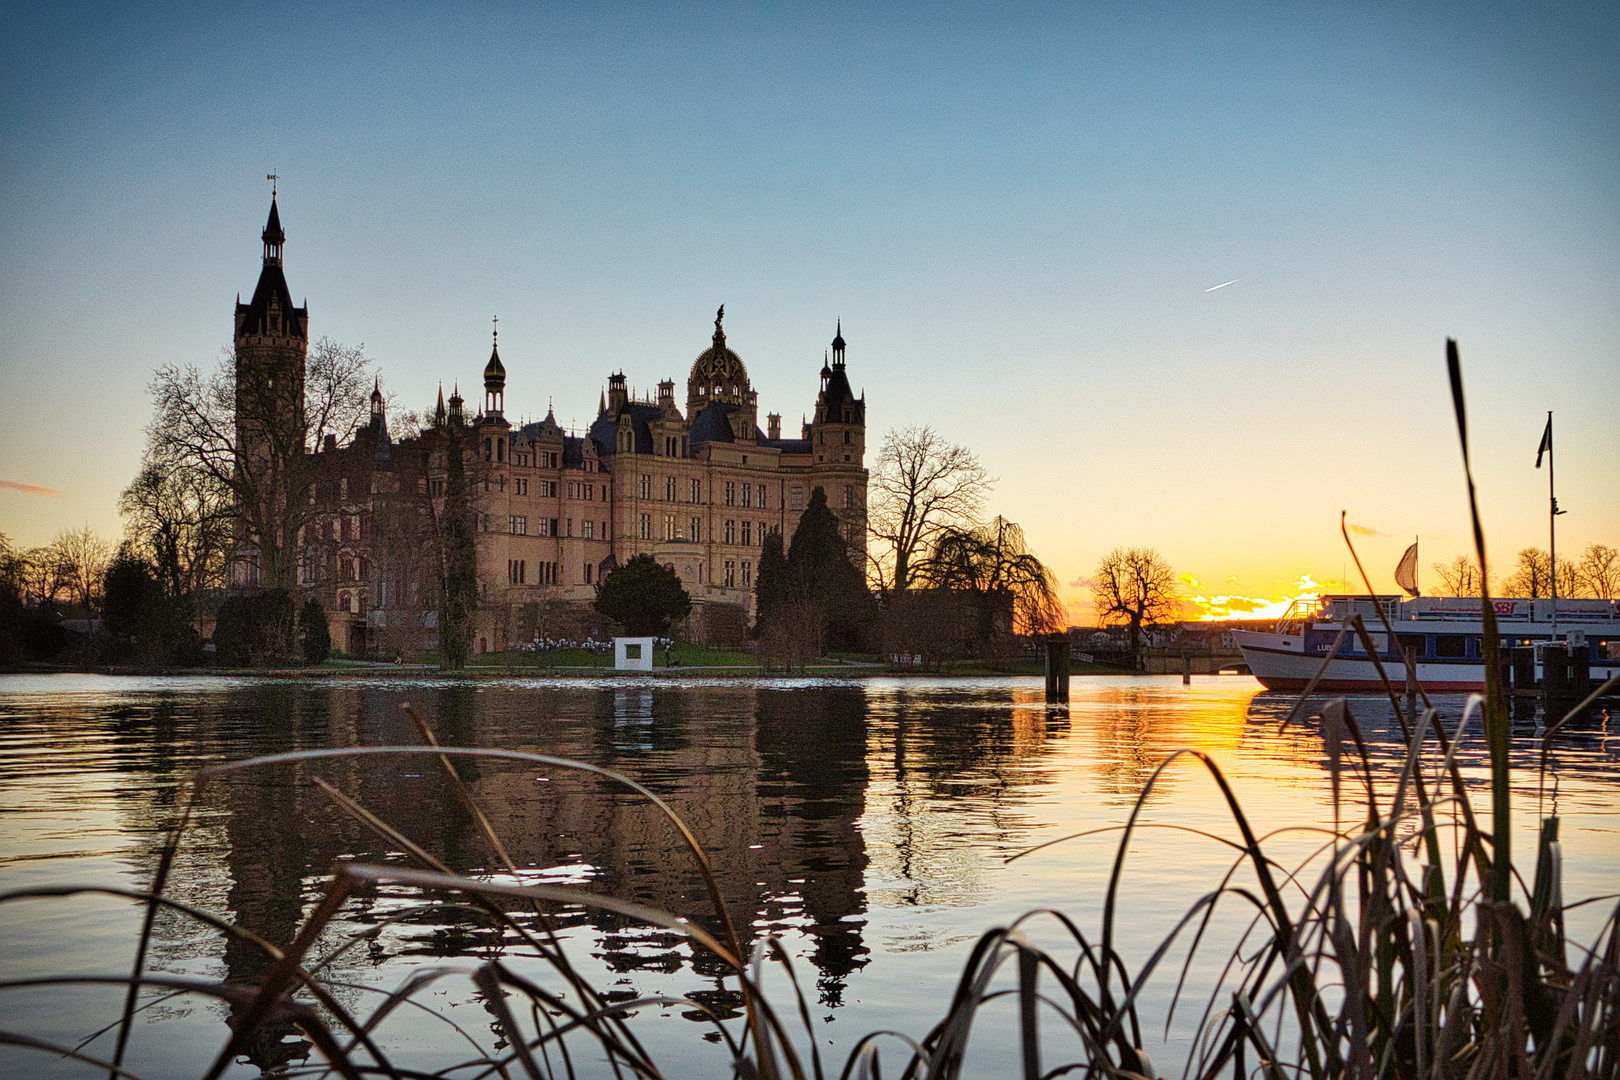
(719, 333)
(273, 235)
(838, 346)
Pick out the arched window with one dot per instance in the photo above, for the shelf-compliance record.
(487, 449)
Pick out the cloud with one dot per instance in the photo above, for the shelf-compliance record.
(1082, 583)
(1188, 579)
(31, 489)
(1366, 530)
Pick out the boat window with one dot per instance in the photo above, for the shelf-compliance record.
(1418, 643)
(1450, 645)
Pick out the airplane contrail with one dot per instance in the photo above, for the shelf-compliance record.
(1222, 285)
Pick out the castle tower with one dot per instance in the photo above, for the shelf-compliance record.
(272, 340)
(838, 432)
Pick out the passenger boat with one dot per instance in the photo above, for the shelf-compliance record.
(1444, 633)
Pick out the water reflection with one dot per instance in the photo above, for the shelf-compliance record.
(863, 822)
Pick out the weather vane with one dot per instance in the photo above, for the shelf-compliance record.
(496, 319)
(272, 177)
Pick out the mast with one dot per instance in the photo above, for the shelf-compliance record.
(1546, 447)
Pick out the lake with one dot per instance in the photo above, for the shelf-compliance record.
(869, 823)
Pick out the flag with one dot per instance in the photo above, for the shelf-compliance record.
(1406, 571)
(1546, 442)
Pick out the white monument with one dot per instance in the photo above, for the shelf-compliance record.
(633, 653)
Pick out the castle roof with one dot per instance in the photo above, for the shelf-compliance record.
(713, 424)
(271, 312)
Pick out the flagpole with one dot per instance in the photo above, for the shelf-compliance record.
(1552, 528)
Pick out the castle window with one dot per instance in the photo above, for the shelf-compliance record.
(697, 490)
(747, 533)
(683, 446)
(748, 494)
(696, 535)
(762, 496)
(646, 486)
(669, 489)
(570, 526)
(548, 459)
(588, 529)
(731, 493)
(520, 525)
(522, 485)
(796, 499)
(487, 450)
(731, 574)
(849, 498)
(846, 438)
(669, 526)
(748, 574)
(587, 573)
(346, 568)
(731, 531)
(500, 449)
(645, 526)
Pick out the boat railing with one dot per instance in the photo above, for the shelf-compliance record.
(1300, 614)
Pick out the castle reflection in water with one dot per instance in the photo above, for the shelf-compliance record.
(827, 811)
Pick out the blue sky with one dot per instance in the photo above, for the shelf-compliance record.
(1016, 215)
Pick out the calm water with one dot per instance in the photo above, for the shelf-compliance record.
(868, 823)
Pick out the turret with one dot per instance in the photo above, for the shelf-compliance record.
(617, 395)
(494, 378)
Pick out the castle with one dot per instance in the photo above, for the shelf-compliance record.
(698, 489)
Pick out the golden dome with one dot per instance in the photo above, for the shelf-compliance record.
(717, 373)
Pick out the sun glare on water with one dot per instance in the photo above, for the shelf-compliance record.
(1221, 608)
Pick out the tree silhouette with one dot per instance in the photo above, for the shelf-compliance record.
(643, 597)
(832, 593)
(1136, 585)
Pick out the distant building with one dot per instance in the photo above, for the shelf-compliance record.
(698, 488)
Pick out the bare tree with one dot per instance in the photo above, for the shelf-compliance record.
(1459, 577)
(1599, 572)
(13, 571)
(178, 517)
(80, 559)
(1532, 576)
(922, 485)
(1136, 586)
(197, 421)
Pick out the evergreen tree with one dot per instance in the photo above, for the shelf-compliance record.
(826, 582)
(317, 635)
(773, 585)
(643, 597)
(458, 561)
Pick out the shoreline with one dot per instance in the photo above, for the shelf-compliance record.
(413, 672)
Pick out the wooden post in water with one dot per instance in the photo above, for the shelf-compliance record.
(1409, 654)
(1057, 668)
(1524, 669)
(1580, 666)
(1186, 670)
(1554, 676)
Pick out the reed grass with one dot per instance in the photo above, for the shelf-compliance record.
(1404, 948)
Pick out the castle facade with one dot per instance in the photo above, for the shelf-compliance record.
(698, 487)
